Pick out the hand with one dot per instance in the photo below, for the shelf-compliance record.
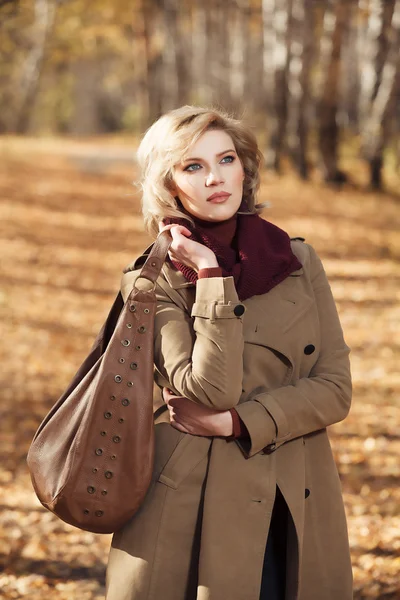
(196, 419)
(191, 253)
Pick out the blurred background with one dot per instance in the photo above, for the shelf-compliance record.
(318, 81)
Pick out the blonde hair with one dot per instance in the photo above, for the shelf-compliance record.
(164, 145)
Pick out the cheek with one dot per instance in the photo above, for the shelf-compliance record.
(184, 183)
(237, 176)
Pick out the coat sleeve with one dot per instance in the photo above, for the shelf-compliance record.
(314, 402)
(200, 354)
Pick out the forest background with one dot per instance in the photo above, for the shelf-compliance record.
(319, 83)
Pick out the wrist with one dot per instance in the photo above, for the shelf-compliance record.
(207, 263)
(226, 425)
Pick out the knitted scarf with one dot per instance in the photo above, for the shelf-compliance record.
(259, 257)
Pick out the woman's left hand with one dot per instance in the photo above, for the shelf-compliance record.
(196, 419)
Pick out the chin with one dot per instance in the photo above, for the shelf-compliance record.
(220, 212)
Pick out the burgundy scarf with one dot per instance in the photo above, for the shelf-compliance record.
(263, 257)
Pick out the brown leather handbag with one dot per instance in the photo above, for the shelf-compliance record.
(91, 458)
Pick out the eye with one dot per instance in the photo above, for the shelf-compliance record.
(190, 170)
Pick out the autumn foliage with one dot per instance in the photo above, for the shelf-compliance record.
(70, 221)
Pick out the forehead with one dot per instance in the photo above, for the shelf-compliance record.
(210, 142)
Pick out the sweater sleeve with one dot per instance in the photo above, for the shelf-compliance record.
(210, 272)
(239, 428)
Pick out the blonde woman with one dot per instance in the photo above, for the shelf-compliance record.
(251, 365)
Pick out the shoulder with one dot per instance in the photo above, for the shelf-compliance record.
(307, 255)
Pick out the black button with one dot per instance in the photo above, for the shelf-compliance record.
(239, 310)
(270, 448)
(309, 349)
(306, 493)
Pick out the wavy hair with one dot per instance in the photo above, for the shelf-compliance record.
(166, 142)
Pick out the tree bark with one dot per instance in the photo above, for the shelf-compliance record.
(376, 130)
(300, 64)
(276, 44)
(153, 49)
(237, 51)
(199, 54)
(175, 72)
(45, 13)
(336, 19)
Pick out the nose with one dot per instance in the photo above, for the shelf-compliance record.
(214, 177)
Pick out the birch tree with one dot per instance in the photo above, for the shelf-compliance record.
(276, 17)
(44, 17)
(383, 70)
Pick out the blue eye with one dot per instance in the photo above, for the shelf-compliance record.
(192, 165)
(189, 169)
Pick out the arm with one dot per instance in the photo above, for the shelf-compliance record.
(201, 355)
(275, 417)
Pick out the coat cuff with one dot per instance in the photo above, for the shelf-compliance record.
(260, 426)
(216, 298)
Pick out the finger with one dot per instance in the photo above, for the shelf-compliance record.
(178, 426)
(176, 401)
(177, 230)
(163, 227)
(168, 393)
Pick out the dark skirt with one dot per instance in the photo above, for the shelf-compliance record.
(273, 583)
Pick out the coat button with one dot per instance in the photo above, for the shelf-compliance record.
(239, 310)
(309, 349)
(270, 448)
(306, 493)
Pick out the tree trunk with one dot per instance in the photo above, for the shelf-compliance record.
(199, 66)
(300, 64)
(175, 72)
(351, 76)
(237, 51)
(279, 15)
(45, 13)
(140, 60)
(376, 130)
(336, 19)
(85, 119)
(151, 22)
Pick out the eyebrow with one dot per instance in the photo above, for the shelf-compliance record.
(219, 154)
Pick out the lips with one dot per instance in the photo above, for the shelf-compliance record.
(218, 197)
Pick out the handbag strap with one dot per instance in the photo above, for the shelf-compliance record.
(155, 260)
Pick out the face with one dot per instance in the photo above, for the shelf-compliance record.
(211, 167)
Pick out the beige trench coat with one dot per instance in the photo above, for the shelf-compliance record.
(202, 529)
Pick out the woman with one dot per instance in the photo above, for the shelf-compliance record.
(245, 502)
